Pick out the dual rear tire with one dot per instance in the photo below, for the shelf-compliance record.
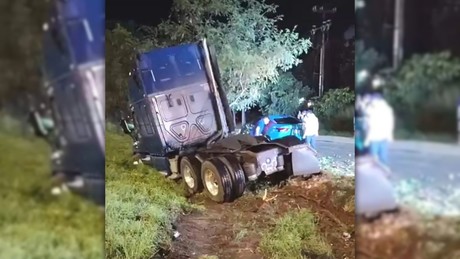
(222, 178)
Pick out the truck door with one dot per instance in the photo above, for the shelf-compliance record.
(149, 142)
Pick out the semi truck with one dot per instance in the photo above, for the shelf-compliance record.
(72, 115)
(183, 126)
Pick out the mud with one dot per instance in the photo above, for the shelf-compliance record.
(407, 235)
(234, 230)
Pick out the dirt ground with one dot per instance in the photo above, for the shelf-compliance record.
(234, 230)
(406, 235)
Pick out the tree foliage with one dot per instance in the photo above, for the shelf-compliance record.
(428, 80)
(120, 52)
(20, 50)
(336, 103)
(251, 49)
(367, 58)
(282, 96)
(424, 92)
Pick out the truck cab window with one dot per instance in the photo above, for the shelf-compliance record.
(58, 39)
(149, 80)
(81, 38)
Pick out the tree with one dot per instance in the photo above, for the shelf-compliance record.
(120, 52)
(367, 58)
(20, 50)
(251, 49)
(283, 96)
(336, 109)
(430, 80)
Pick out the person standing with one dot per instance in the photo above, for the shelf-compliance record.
(379, 126)
(310, 125)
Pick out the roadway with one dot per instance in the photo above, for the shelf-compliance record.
(433, 163)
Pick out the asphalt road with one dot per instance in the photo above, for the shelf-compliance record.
(339, 148)
(432, 163)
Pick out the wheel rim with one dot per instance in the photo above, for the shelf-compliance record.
(211, 182)
(188, 177)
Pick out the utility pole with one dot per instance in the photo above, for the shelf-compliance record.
(398, 33)
(324, 29)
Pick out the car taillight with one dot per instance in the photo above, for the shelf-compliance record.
(282, 129)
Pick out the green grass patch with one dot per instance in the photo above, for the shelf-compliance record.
(295, 235)
(33, 223)
(141, 205)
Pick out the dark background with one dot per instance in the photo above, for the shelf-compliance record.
(430, 26)
(339, 66)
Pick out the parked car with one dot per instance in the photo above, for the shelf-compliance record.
(280, 127)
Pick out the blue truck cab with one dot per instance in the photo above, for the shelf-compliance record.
(74, 83)
(184, 126)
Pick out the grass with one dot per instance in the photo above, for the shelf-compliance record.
(33, 223)
(141, 205)
(295, 235)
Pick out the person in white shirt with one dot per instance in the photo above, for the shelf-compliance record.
(310, 125)
(379, 126)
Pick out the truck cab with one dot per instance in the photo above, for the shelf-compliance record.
(72, 119)
(185, 126)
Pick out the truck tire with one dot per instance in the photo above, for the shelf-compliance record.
(190, 170)
(217, 180)
(237, 173)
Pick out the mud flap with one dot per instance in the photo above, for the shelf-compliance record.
(304, 161)
(374, 191)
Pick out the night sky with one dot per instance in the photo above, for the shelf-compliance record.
(430, 26)
(296, 12)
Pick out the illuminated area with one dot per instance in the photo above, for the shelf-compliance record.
(229, 88)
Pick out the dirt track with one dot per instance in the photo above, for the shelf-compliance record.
(234, 230)
(407, 236)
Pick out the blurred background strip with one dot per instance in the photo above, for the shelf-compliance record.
(52, 136)
(410, 51)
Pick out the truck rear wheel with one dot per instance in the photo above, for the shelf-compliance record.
(190, 169)
(217, 180)
(237, 173)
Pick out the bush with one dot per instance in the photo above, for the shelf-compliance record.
(282, 97)
(368, 59)
(335, 110)
(424, 92)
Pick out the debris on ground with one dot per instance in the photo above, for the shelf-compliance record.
(338, 166)
(408, 235)
(429, 200)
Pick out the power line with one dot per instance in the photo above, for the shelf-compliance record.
(324, 28)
